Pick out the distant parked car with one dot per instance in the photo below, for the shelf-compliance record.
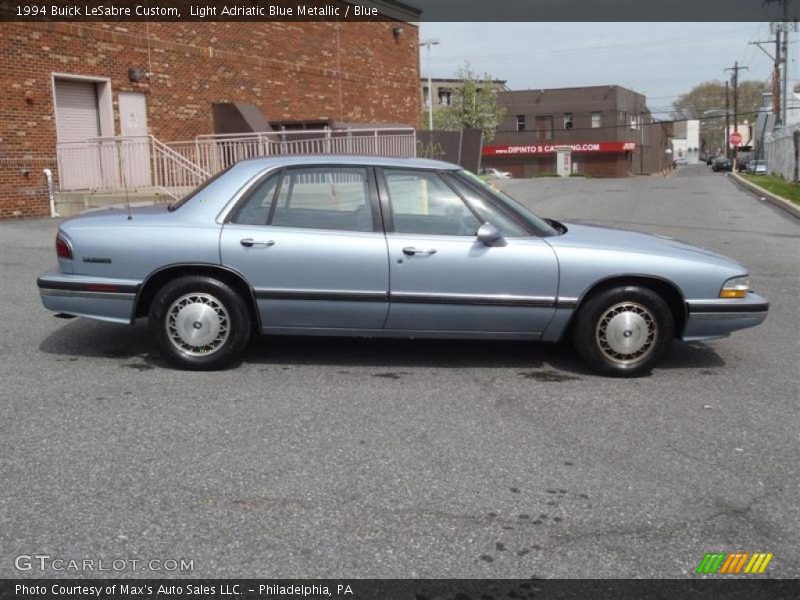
(495, 174)
(721, 164)
(681, 162)
(711, 158)
(386, 247)
(742, 160)
(757, 167)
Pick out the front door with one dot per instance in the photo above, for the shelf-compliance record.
(310, 243)
(444, 280)
(135, 150)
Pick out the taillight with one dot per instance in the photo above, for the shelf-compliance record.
(63, 249)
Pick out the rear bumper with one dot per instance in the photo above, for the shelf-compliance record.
(718, 318)
(100, 298)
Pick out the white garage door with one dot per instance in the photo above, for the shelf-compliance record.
(77, 114)
(77, 120)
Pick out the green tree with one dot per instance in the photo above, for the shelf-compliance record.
(473, 104)
(707, 102)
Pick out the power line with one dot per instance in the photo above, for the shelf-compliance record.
(600, 48)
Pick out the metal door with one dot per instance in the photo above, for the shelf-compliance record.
(135, 147)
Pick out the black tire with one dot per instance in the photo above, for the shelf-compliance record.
(209, 306)
(623, 331)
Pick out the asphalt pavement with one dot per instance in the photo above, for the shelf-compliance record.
(391, 458)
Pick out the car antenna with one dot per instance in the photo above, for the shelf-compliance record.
(124, 180)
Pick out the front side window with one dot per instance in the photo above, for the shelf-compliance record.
(487, 212)
(335, 198)
(539, 225)
(423, 203)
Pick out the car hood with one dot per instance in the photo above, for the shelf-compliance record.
(606, 238)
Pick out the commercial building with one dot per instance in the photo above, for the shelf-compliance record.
(65, 83)
(609, 129)
(686, 141)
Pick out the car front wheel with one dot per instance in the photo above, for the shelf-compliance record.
(623, 331)
(200, 323)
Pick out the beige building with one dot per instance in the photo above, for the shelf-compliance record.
(443, 90)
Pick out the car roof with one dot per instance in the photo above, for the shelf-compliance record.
(340, 159)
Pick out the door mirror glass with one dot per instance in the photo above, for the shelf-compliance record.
(489, 235)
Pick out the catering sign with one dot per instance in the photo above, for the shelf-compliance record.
(535, 149)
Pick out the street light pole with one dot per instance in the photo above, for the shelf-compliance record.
(429, 43)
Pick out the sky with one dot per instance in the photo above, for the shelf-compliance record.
(659, 60)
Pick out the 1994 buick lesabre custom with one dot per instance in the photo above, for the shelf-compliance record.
(366, 246)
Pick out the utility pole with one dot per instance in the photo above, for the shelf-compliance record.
(780, 97)
(785, 60)
(429, 43)
(735, 68)
(776, 78)
(727, 122)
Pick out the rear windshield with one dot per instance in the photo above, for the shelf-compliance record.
(178, 203)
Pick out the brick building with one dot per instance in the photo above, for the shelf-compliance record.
(66, 82)
(610, 130)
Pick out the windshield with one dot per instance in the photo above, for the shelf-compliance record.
(542, 227)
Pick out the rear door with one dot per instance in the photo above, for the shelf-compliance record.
(310, 242)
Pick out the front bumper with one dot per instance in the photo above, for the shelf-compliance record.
(718, 318)
(102, 298)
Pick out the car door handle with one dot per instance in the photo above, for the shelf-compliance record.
(411, 250)
(250, 242)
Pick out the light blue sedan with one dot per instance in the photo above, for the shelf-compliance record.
(366, 246)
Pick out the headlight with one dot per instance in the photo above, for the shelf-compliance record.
(736, 287)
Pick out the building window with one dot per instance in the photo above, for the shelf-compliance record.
(520, 122)
(636, 122)
(544, 127)
(597, 119)
(568, 121)
(445, 97)
(425, 97)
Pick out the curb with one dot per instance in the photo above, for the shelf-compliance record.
(774, 199)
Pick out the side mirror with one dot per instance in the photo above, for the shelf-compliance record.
(489, 235)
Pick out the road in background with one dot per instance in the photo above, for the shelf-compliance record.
(383, 458)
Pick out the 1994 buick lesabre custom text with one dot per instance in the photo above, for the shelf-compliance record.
(366, 246)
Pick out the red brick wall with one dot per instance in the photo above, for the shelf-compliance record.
(289, 70)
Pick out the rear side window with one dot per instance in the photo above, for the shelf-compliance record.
(336, 198)
(255, 208)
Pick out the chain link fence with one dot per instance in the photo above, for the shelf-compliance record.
(782, 152)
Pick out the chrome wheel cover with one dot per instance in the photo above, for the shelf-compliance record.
(197, 324)
(626, 333)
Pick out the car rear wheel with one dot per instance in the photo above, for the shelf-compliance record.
(623, 331)
(200, 323)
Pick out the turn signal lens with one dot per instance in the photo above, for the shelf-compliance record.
(735, 288)
(63, 249)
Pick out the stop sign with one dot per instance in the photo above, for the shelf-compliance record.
(735, 138)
